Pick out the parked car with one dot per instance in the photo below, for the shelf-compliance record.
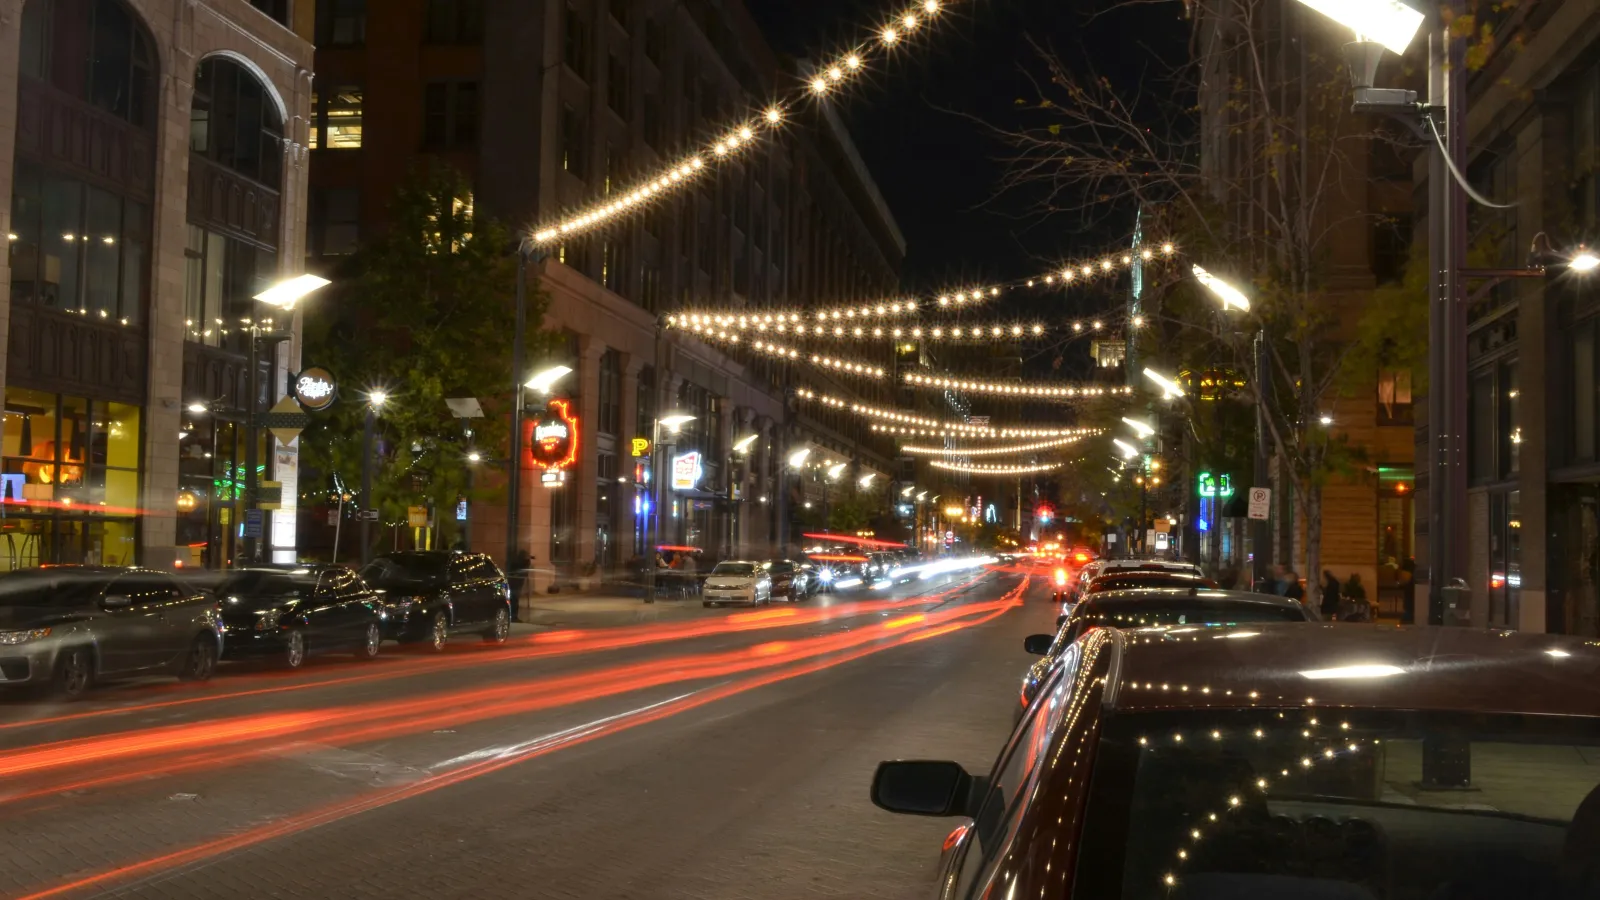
(1149, 607)
(785, 579)
(1277, 761)
(811, 573)
(431, 594)
(290, 613)
(1098, 567)
(1134, 579)
(738, 581)
(63, 629)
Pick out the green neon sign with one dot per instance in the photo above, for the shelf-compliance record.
(1216, 485)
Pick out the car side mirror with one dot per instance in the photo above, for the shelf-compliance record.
(922, 787)
(1060, 621)
(115, 601)
(1038, 644)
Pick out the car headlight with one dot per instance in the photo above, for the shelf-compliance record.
(268, 620)
(10, 638)
(825, 575)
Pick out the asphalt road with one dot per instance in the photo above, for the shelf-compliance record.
(702, 754)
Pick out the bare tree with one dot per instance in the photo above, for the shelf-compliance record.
(1246, 155)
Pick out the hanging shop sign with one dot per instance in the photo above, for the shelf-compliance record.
(552, 439)
(315, 389)
(686, 471)
(641, 447)
(553, 478)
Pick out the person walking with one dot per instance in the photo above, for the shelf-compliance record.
(1330, 595)
(1292, 589)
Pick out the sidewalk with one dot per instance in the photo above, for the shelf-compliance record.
(593, 610)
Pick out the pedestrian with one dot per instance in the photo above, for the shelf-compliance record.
(1292, 589)
(521, 564)
(1355, 607)
(1330, 594)
(1280, 580)
(691, 579)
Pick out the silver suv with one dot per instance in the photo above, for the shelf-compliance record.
(64, 628)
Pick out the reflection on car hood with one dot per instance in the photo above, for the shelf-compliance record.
(731, 580)
(18, 618)
(246, 606)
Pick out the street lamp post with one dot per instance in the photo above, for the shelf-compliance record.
(672, 422)
(740, 448)
(375, 401)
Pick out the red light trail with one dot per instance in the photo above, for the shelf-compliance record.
(951, 620)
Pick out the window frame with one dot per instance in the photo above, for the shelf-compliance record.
(452, 90)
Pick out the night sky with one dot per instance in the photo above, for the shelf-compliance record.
(938, 169)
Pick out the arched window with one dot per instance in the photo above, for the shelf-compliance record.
(94, 50)
(234, 123)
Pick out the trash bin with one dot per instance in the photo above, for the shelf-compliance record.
(1457, 603)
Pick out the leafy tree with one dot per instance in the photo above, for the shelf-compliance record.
(427, 314)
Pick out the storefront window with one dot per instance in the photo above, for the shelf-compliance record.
(1505, 558)
(77, 248)
(70, 480)
(1396, 537)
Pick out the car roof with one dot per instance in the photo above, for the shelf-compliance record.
(1359, 666)
(1148, 595)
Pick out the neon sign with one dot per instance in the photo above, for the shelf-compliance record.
(553, 439)
(686, 471)
(1216, 485)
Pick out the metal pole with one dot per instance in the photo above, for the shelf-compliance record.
(1261, 529)
(366, 483)
(514, 469)
(253, 389)
(653, 490)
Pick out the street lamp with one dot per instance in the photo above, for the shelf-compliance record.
(285, 294)
(1169, 388)
(741, 447)
(543, 381)
(1127, 450)
(835, 471)
(866, 479)
(376, 398)
(1142, 428)
(1583, 261)
(1230, 296)
(798, 458)
(673, 421)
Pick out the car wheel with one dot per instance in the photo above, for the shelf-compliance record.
(439, 631)
(500, 629)
(294, 649)
(74, 673)
(201, 662)
(370, 642)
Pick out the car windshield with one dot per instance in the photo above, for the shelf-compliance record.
(1118, 581)
(734, 568)
(1322, 803)
(252, 583)
(403, 570)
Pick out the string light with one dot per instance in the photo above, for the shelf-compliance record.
(1000, 451)
(675, 176)
(986, 469)
(846, 366)
(911, 420)
(863, 323)
(1021, 389)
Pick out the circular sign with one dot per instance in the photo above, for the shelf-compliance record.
(315, 389)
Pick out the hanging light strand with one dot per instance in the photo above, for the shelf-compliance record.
(826, 80)
(932, 425)
(846, 366)
(999, 451)
(1032, 390)
(988, 469)
(849, 328)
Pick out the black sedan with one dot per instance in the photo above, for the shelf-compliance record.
(289, 614)
(1152, 606)
(430, 594)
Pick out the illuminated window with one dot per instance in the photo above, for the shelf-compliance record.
(336, 118)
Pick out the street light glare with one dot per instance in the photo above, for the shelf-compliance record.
(907, 491)
(1230, 296)
(285, 294)
(1143, 429)
(197, 408)
(1326, 420)
(867, 478)
(1169, 388)
(676, 420)
(1388, 22)
(542, 381)
(474, 456)
(836, 470)
(377, 398)
(1128, 450)
(1584, 261)
(743, 444)
(798, 458)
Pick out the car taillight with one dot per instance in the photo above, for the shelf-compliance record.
(1061, 577)
(1082, 557)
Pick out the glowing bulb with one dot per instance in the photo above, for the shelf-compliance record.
(890, 36)
(852, 61)
(835, 73)
(910, 21)
(818, 86)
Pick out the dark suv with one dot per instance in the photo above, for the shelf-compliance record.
(431, 593)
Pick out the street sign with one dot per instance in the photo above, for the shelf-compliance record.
(253, 519)
(1260, 502)
(417, 516)
(368, 515)
(315, 389)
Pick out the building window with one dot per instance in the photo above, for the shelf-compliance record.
(455, 21)
(222, 277)
(336, 117)
(70, 486)
(335, 221)
(341, 23)
(614, 163)
(233, 122)
(1391, 248)
(450, 115)
(652, 122)
(653, 40)
(613, 265)
(572, 141)
(78, 248)
(610, 393)
(1510, 427)
(645, 404)
(94, 50)
(617, 85)
(575, 42)
(278, 10)
(1394, 397)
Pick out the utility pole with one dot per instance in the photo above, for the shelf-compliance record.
(518, 409)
